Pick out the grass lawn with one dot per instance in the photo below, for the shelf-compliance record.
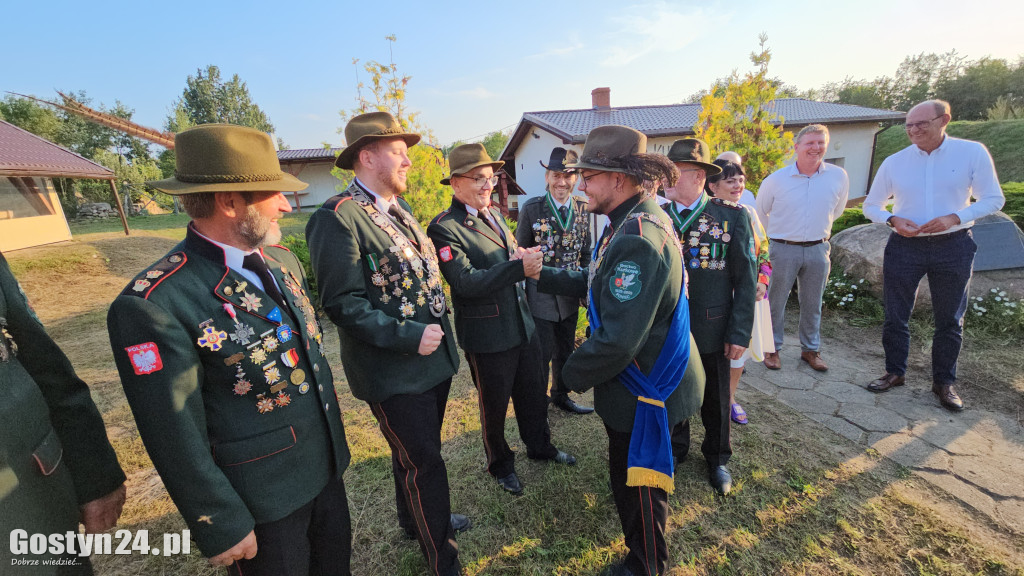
(806, 501)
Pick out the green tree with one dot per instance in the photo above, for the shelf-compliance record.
(742, 119)
(207, 98)
(388, 92)
(971, 94)
(30, 116)
(495, 142)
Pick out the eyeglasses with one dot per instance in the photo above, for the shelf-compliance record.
(920, 125)
(587, 179)
(479, 181)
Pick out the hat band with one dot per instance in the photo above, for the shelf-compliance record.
(601, 161)
(227, 178)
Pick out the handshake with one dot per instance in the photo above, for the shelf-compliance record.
(533, 261)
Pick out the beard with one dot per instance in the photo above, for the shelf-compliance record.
(256, 230)
(390, 180)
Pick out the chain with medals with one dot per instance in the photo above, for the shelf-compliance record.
(408, 259)
(697, 254)
(564, 249)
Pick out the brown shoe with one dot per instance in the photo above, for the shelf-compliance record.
(948, 397)
(813, 357)
(772, 361)
(886, 383)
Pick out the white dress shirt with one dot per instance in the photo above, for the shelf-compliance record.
(233, 258)
(381, 204)
(925, 186)
(801, 208)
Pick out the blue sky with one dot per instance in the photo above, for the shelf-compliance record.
(475, 67)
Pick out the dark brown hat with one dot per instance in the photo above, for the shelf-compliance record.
(559, 158)
(464, 158)
(693, 151)
(608, 147)
(366, 128)
(226, 158)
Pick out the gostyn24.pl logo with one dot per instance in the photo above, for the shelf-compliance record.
(74, 544)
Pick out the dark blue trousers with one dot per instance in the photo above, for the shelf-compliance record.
(947, 260)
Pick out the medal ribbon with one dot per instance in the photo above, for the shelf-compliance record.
(558, 217)
(678, 219)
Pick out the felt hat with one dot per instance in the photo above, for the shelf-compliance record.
(693, 151)
(608, 147)
(366, 128)
(559, 158)
(226, 158)
(464, 158)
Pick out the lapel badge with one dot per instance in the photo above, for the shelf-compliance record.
(174, 259)
(284, 333)
(141, 285)
(228, 291)
(153, 274)
(304, 387)
(251, 302)
(212, 338)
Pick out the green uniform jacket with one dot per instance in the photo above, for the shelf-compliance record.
(379, 347)
(568, 249)
(635, 320)
(240, 420)
(491, 313)
(723, 275)
(54, 452)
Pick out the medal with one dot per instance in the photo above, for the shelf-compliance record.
(258, 356)
(264, 405)
(234, 359)
(298, 376)
(271, 373)
(242, 387)
(304, 387)
(726, 237)
(274, 389)
(284, 333)
(251, 302)
(290, 357)
(283, 399)
(212, 338)
(270, 343)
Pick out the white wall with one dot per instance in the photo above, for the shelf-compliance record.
(321, 184)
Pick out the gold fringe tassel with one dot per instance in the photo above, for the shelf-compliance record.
(637, 476)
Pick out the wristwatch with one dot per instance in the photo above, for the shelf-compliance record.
(888, 221)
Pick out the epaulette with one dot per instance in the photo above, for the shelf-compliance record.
(147, 281)
(534, 200)
(333, 202)
(727, 203)
(581, 199)
(281, 246)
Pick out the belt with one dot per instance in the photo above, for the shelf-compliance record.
(940, 237)
(805, 244)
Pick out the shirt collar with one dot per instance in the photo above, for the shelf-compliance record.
(555, 202)
(794, 171)
(945, 138)
(381, 204)
(233, 256)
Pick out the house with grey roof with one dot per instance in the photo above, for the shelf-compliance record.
(312, 166)
(852, 130)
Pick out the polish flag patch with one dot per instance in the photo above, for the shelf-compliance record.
(445, 254)
(145, 358)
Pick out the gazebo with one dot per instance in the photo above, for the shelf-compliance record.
(30, 212)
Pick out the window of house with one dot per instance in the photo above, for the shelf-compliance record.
(837, 161)
(24, 198)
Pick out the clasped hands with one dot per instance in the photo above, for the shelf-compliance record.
(533, 261)
(909, 229)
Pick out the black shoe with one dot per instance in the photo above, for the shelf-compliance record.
(721, 480)
(564, 458)
(948, 397)
(568, 405)
(460, 523)
(511, 484)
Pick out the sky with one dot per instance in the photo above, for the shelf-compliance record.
(475, 67)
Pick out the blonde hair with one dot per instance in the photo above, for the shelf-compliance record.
(811, 129)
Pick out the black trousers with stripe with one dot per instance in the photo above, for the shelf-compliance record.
(557, 341)
(714, 413)
(514, 374)
(411, 423)
(315, 540)
(643, 512)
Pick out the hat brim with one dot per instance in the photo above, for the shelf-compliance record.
(565, 169)
(347, 157)
(709, 169)
(448, 180)
(175, 187)
(582, 165)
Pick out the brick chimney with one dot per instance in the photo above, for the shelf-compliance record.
(601, 98)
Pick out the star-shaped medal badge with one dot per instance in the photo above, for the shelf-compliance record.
(251, 302)
(242, 387)
(212, 338)
(265, 405)
(242, 334)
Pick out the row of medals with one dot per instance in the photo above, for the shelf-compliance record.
(545, 234)
(395, 283)
(700, 253)
(260, 349)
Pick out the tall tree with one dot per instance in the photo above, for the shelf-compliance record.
(741, 119)
(971, 94)
(30, 116)
(207, 98)
(388, 92)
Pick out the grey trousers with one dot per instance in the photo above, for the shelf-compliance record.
(808, 267)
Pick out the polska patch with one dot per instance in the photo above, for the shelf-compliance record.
(625, 282)
(445, 254)
(145, 358)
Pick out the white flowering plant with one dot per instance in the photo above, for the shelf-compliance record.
(849, 294)
(995, 311)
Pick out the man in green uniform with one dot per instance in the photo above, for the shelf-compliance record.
(57, 467)
(718, 247)
(220, 357)
(559, 224)
(380, 284)
(640, 358)
(477, 254)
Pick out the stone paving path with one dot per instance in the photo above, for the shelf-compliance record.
(977, 456)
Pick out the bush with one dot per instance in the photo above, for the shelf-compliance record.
(845, 294)
(297, 244)
(1014, 207)
(995, 313)
(851, 217)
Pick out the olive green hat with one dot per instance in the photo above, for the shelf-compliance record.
(366, 128)
(226, 158)
(608, 147)
(464, 158)
(693, 151)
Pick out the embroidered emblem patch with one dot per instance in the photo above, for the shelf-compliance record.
(625, 283)
(145, 358)
(445, 254)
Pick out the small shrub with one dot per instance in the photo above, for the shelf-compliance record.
(297, 244)
(995, 313)
(851, 217)
(852, 296)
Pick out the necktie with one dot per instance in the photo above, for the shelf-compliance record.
(563, 212)
(255, 263)
(487, 220)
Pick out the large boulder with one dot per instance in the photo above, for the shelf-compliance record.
(859, 250)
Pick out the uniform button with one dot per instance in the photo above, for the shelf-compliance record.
(320, 387)
(327, 407)
(316, 367)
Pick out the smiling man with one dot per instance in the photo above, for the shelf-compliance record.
(931, 183)
(219, 352)
(380, 284)
(797, 205)
(479, 258)
(559, 224)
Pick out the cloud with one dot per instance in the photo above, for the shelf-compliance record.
(656, 28)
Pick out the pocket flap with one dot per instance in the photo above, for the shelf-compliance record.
(255, 448)
(48, 453)
(484, 311)
(716, 312)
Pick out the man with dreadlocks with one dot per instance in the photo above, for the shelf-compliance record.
(639, 351)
